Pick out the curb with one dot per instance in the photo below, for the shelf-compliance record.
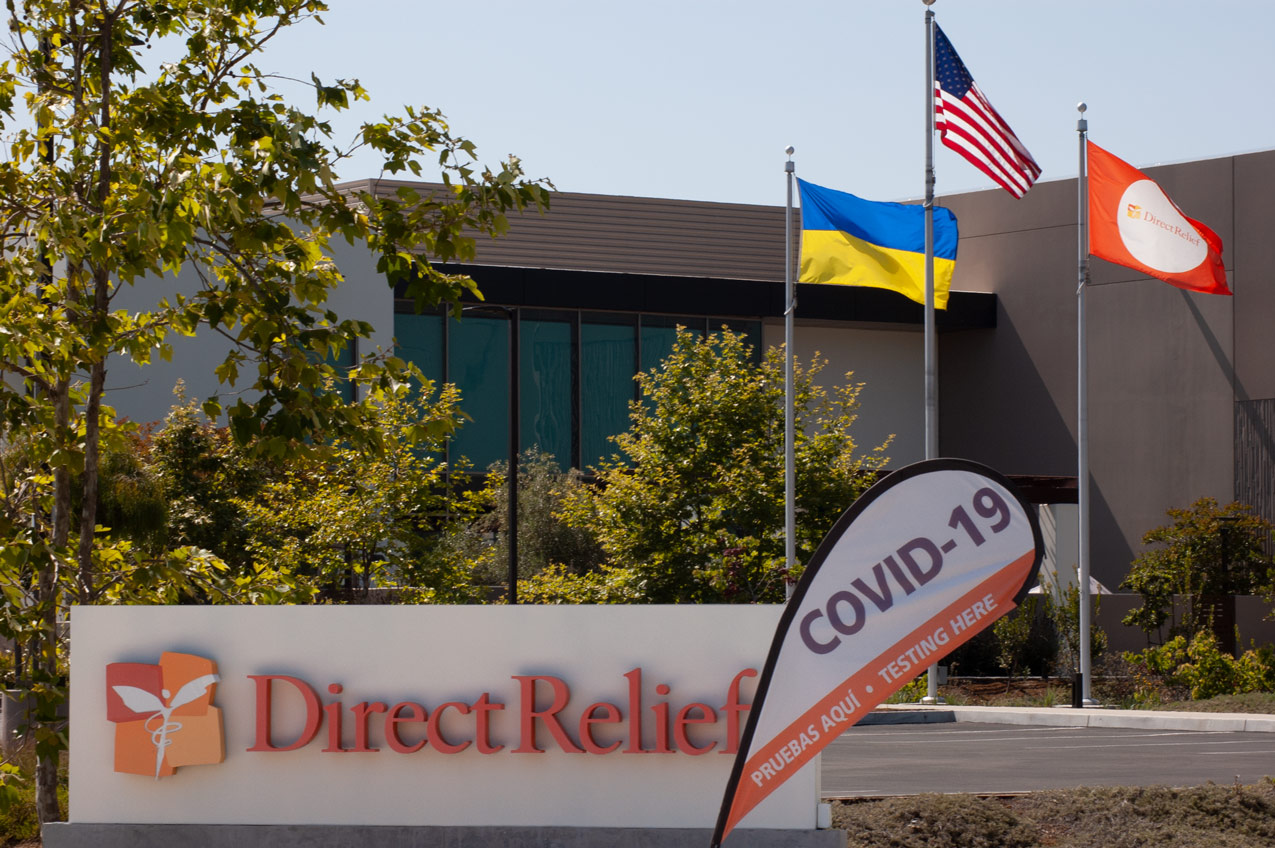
(1069, 717)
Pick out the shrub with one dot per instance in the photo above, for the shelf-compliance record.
(1207, 550)
(545, 539)
(1025, 638)
(1201, 669)
(693, 499)
(556, 584)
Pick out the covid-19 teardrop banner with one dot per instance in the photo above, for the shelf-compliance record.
(925, 559)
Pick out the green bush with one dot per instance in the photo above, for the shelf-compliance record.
(19, 822)
(1201, 669)
(1064, 611)
(1208, 550)
(557, 584)
(911, 693)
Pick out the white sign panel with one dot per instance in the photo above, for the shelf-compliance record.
(613, 716)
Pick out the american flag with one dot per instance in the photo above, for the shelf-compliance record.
(968, 123)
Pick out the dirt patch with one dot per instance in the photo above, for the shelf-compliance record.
(1209, 816)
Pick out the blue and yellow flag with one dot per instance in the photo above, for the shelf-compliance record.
(849, 241)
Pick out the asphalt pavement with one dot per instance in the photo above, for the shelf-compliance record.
(905, 750)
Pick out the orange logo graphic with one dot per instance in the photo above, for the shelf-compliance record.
(1133, 210)
(163, 714)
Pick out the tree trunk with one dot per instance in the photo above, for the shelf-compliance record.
(92, 458)
(45, 654)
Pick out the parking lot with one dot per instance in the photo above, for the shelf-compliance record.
(970, 757)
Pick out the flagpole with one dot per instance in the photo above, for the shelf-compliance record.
(790, 426)
(1082, 404)
(931, 346)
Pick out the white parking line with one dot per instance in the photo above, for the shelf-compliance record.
(1158, 744)
(932, 733)
(1073, 734)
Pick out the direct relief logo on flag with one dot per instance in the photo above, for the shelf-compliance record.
(163, 714)
(1134, 223)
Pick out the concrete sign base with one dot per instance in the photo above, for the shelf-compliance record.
(88, 835)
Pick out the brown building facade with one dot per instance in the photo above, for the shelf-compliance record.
(1181, 385)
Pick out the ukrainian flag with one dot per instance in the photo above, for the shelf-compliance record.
(849, 241)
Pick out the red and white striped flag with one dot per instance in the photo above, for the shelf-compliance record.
(968, 123)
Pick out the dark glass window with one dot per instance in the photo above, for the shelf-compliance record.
(659, 332)
(545, 385)
(575, 373)
(419, 339)
(608, 361)
(751, 331)
(478, 363)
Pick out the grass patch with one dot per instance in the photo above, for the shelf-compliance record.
(1209, 816)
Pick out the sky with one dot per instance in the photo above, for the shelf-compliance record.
(698, 99)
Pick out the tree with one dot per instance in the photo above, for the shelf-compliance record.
(545, 539)
(205, 478)
(123, 170)
(354, 519)
(1208, 550)
(693, 503)
(1023, 639)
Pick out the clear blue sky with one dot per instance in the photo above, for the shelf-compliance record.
(697, 99)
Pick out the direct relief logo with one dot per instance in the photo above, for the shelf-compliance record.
(1133, 210)
(163, 714)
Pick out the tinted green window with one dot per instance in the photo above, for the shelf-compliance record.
(657, 342)
(544, 387)
(419, 340)
(478, 363)
(658, 334)
(750, 329)
(574, 392)
(608, 361)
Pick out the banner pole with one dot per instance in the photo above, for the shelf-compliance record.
(930, 342)
(790, 427)
(1082, 405)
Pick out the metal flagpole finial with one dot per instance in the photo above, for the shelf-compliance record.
(1082, 106)
(788, 166)
(928, 2)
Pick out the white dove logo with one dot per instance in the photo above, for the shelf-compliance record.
(141, 701)
(163, 714)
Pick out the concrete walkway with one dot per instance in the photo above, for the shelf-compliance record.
(1069, 717)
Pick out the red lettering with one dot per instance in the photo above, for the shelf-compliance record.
(395, 718)
(635, 712)
(313, 715)
(529, 714)
(482, 735)
(361, 711)
(334, 722)
(587, 720)
(436, 734)
(661, 722)
(672, 731)
(733, 708)
(707, 716)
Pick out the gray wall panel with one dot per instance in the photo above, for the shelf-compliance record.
(1253, 255)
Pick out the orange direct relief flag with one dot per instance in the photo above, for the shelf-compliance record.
(1132, 222)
